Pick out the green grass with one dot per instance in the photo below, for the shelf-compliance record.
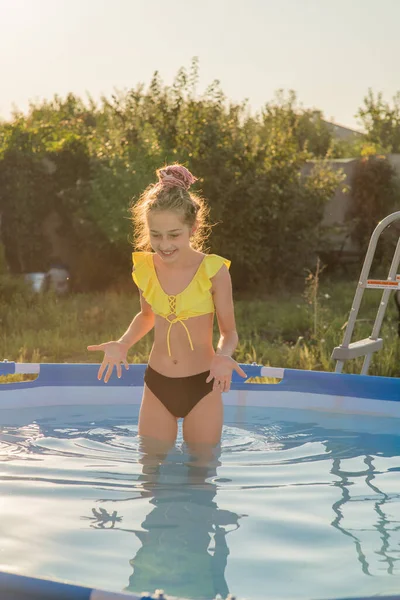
(281, 330)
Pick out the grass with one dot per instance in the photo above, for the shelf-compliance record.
(287, 329)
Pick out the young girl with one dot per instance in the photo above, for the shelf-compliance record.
(180, 289)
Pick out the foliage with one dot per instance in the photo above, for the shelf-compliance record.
(85, 162)
(3, 262)
(381, 121)
(354, 148)
(375, 193)
(24, 187)
(311, 294)
(13, 289)
(307, 126)
(276, 329)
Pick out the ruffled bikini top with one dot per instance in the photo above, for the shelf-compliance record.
(195, 300)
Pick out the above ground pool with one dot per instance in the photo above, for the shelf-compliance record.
(301, 501)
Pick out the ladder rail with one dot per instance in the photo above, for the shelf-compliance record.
(362, 286)
(382, 306)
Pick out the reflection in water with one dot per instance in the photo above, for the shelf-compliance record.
(341, 446)
(184, 548)
(103, 520)
(183, 537)
(383, 525)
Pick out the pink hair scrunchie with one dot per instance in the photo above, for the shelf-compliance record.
(175, 176)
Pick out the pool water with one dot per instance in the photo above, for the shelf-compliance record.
(286, 509)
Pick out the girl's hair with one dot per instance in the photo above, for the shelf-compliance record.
(171, 192)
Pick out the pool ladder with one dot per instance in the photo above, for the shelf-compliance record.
(373, 343)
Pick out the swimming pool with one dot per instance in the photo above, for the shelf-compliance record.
(302, 501)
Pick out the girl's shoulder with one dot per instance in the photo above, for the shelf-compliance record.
(214, 262)
(141, 259)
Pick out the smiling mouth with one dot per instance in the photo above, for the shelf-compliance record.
(167, 253)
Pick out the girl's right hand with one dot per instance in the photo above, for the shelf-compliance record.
(114, 354)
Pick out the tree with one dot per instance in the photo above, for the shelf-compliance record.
(266, 214)
(381, 121)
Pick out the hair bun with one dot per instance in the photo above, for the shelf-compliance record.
(175, 176)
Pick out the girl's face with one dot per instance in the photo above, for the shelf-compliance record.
(169, 235)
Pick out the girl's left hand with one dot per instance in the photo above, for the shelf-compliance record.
(221, 371)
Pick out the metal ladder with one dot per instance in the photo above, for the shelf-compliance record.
(373, 343)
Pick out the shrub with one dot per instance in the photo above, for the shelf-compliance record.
(375, 192)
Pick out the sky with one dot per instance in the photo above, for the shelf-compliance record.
(329, 51)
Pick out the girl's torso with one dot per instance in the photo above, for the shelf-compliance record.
(183, 305)
(183, 361)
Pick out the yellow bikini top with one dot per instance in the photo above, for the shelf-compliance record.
(193, 301)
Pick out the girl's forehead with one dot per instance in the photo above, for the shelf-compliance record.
(165, 220)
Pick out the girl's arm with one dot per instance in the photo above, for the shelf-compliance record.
(115, 352)
(223, 302)
(142, 323)
(223, 364)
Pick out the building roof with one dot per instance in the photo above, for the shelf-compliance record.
(341, 132)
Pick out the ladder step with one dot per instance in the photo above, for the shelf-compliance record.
(384, 284)
(360, 348)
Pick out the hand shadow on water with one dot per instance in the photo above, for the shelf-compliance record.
(184, 548)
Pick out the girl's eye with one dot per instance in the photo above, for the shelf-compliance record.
(171, 235)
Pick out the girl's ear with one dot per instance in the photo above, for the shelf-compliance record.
(194, 229)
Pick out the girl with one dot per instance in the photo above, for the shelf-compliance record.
(180, 288)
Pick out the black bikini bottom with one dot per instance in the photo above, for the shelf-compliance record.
(178, 394)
